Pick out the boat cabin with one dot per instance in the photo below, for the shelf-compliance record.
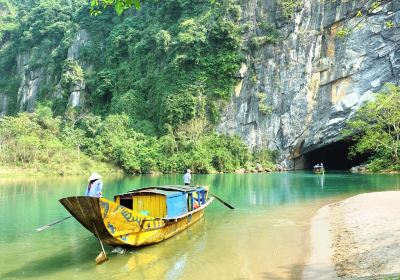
(163, 202)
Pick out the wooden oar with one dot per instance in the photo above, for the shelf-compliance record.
(219, 199)
(52, 224)
(102, 257)
(223, 202)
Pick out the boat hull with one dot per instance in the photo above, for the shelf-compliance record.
(319, 170)
(116, 225)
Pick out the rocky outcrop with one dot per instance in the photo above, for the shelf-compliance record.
(34, 78)
(3, 104)
(77, 89)
(312, 80)
(359, 169)
(31, 81)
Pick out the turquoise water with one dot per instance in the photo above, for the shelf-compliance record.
(266, 236)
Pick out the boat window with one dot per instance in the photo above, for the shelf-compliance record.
(126, 201)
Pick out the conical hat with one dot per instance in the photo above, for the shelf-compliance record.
(94, 176)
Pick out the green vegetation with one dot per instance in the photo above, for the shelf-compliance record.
(119, 5)
(289, 7)
(257, 42)
(346, 27)
(268, 34)
(35, 142)
(173, 62)
(376, 130)
(156, 82)
(262, 104)
(79, 142)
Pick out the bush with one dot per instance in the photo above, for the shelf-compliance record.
(375, 130)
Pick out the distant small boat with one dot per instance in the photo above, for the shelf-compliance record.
(140, 217)
(319, 169)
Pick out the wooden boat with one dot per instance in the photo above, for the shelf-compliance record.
(142, 216)
(319, 170)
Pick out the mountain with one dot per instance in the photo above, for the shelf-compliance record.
(281, 74)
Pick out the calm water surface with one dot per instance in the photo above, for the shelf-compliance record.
(266, 237)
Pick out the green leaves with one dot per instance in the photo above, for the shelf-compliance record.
(119, 5)
(376, 128)
(342, 32)
(389, 24)
(172, 54)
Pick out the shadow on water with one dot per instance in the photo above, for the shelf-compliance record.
(64, 259)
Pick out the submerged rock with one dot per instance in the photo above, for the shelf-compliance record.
(359, 169)
(118, 250)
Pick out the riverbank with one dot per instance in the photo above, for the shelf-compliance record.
(101, 167)
(356, 237)
(82, 168)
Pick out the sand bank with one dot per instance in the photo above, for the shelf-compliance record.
(357, 237)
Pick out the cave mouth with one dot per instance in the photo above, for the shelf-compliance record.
(334, 156)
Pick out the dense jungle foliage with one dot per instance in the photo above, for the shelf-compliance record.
(68, 145)
(155, 83)
(376, 130)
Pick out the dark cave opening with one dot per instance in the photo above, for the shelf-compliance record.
(334, 157)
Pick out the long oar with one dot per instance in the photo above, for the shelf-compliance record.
(223, 202)
(102, 257)
(52, 224)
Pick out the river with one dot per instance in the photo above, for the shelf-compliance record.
(265, 237)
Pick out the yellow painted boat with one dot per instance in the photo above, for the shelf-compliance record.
(142, 216)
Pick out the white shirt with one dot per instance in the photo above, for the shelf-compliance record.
(95, 189)
(186, 178)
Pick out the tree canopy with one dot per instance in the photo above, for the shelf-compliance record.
(376, 129)
(119, 5)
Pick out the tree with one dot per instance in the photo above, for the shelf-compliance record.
(376, 129)
(119, 5)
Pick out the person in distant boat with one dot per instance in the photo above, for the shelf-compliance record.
(95, 186)
(187, 177)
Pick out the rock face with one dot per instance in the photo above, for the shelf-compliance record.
(34, 78)
(312, 81)
(31, 81)
(3, 104)
(358, 169)
(77, 90)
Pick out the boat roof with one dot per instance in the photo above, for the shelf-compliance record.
(169, 190)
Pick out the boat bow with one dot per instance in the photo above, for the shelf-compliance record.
(86, 210)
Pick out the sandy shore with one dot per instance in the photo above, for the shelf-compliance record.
(356, 238)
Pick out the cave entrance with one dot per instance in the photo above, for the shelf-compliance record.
(333, 156)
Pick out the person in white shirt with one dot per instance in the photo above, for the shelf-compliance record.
(187, 177)
(95, 186)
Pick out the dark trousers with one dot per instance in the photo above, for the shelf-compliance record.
(187, 184)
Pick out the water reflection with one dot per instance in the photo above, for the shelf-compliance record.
(265, 235)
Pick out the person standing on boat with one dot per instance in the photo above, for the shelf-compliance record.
(187, 177)
(95, 186)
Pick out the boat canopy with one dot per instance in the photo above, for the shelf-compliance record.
(164, 189)
(163, 201)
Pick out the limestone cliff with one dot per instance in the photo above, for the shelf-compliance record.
(34, 78)
(296, 89)
(311, 81)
